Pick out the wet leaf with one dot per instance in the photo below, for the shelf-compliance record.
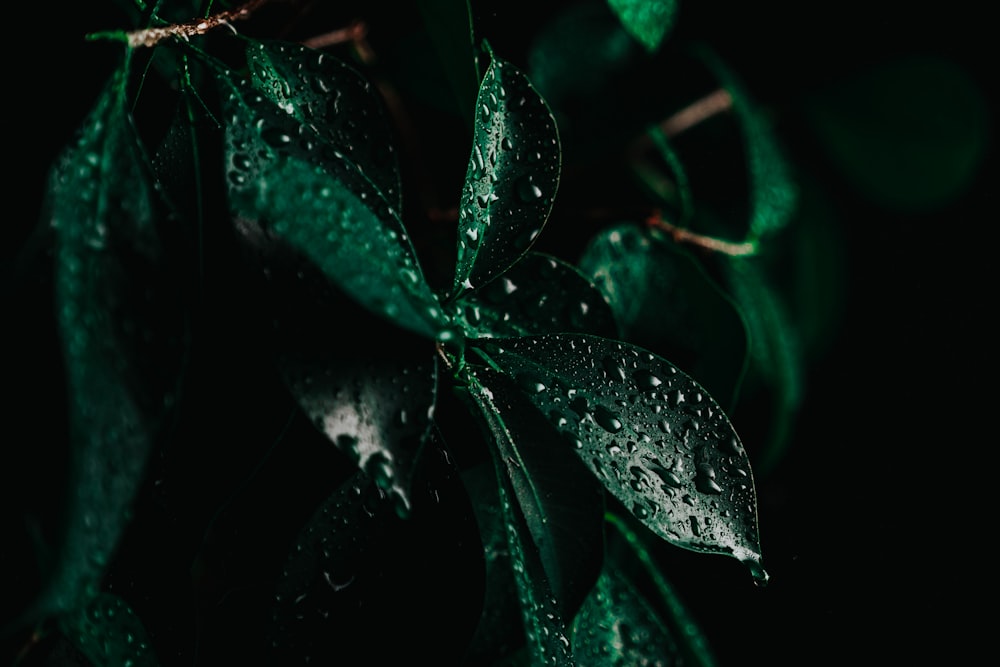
(372, 402)
(511, 179)
(561, 504)
(664, 300)
(617, 624)
(119, 320)
(354, 552)
(546, 641)
(108, 632)
(648, 21)
(773, 191)
(283, 177)
(336, 101)
(500, 631)
(539, 294)
(652, 435)
(910, 133)
(628, 555)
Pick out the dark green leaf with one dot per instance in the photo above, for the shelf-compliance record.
(500, 631)
(108, 632)
(284, 177)
(119, 320)
(372, 401)
(775, 350)
(583, 63)
(629, 557)
(773, 191)
(910, 133)
(681, 188)
(334, 100)
(617, 621)
(354, 549)
(511, 179)
(664, 300)
(652, 435)
(449, 24)
(561, 503)
(648, 21)
(539, 294)
(525, 522)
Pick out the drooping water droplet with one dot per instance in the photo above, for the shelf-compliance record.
(527, 190)
(607, 419)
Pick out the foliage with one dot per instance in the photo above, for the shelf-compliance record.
(320, 380)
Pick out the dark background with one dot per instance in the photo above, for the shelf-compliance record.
(873, 526)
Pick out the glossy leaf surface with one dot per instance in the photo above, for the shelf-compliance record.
(115, 326)
(561, 504)
(545, 631)
(511, 179)
(372, 402)
(283, 176)
(664, 300)
(617, 621)
(339, 104)
(648, 21)
(539, 294)
(655, 439)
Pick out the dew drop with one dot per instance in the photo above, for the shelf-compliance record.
(608, 420)
(527, 190)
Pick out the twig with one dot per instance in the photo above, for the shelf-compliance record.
(356, 34)
(682, 235)
(149, 37)
(714, 103)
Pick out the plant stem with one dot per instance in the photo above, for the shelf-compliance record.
(149, 37)
(701, 110)
(682, 235)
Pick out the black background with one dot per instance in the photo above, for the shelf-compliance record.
(876, 526)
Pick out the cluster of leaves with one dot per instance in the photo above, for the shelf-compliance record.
(506, 429)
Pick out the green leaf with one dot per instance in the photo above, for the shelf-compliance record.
(372, 401)
(648, 21)
(524, 519)
(617, 621)
(910, 133)
(334, 100)
(775, 351)
(283, 177)
(108, 632)
(374, 410)
(773, 191)
(652, 435)
(500, 630)
(449, 25)
(539, 294)
(629, 556)
(681, 186)
(586, 66)
(561, 503)
(511, 179)
(664, 300)
(118, 315)
(354, 549)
